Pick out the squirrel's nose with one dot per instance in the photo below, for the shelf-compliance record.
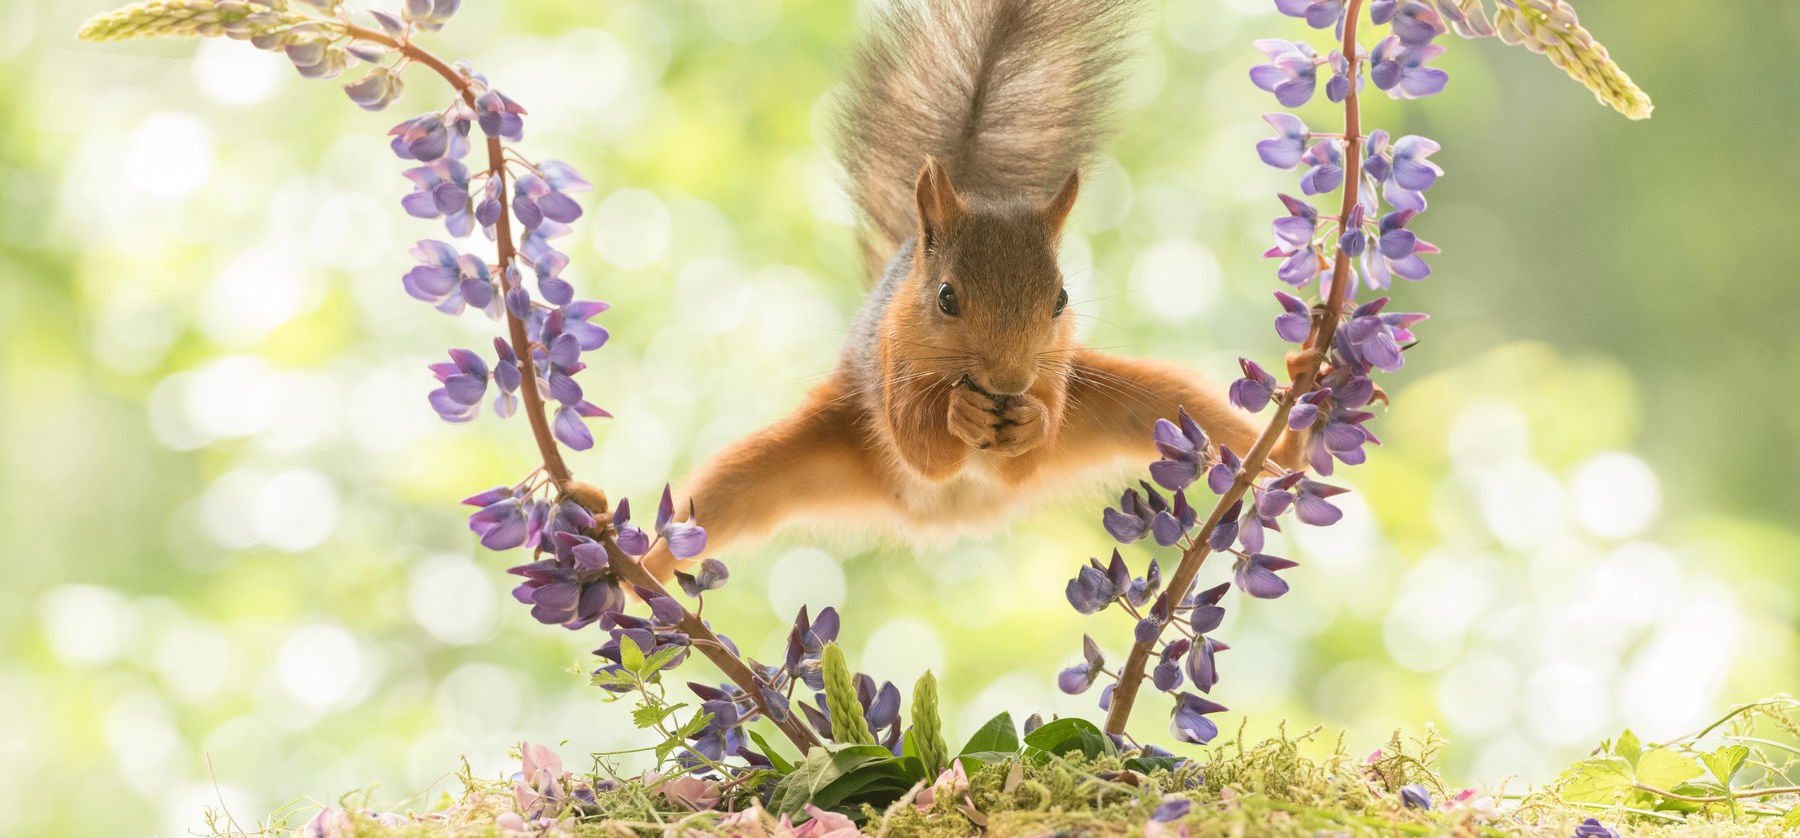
(1008, 382)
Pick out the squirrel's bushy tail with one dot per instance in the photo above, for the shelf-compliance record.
(1009, 95)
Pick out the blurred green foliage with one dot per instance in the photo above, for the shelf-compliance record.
(234, 571)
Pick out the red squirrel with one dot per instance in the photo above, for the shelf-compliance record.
(962, 392)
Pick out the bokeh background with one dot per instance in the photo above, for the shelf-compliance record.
(234, 571)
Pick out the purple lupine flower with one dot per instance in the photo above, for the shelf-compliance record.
(1311, 507)
(499, 116)
(441, 190)
(548, 267)
(685, 539)
(1416, 23)
(1225, 532)
(569, 429)
(1172, 523)
(1396, 252)
(1294, 324)
(1376, 338)
(1150, 627)
(1173, 809)
(1300, 225)
(1415, 796)
(1411, 168)
(565, 596)
(429, 137)
(488, 209)
(712, 574)
(884, 709)
(1337, 88)
(1076, 679)
(631, 539)
(1353, 240)
(1305, 412)
(1299, 266)
(507, 378)
(1319, 14)
(1256, 575)
(1289, 143)
(1326, 167)
(316, 58)
(1183, 449)
(1252, 392)
(1131, 521)
(1593, 828)
(1224, 472)
(376, 89)
(1189, 722)
(1400, 70)
(1089, 591)
(1143, 588)
(1207, 614)
(465, 382)
(1166, 675)
(1382, 11)
(1291, 73)
(1201, 667)
(429, 15)
(502, 519)
(536, 200)
(1402, 169)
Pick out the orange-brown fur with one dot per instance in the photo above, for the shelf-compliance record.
(936, 419)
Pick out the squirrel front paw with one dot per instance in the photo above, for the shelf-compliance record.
(1007, 425)
(1024, 425)
(974, 419)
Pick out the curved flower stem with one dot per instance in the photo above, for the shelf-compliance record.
(1311, 359)
(532, 400)
(701, 637)
(1736, 795)
(628, 568)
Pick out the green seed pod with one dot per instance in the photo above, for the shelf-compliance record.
(847, 723)
(927, 728)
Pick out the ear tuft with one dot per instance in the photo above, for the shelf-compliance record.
(1057, 211)
(940, 208)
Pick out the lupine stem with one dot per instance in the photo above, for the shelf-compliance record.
(1315, 350)
(627, 567)
(532, 401)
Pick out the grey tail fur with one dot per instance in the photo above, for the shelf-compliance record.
(1009, 95)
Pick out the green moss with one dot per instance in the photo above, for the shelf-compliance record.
(1289, 785)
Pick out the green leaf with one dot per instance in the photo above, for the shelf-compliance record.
(1599, 781)
(781, 763)
(694, 725)
(1628, 747)
(1066, 736)
(1725, 762)
(653, 664)
(650, 714)
(1666, 769)
(825, 765)
(1792, 819)
(631, 655)
(613, 678)
(1151, 765)
(998, 735)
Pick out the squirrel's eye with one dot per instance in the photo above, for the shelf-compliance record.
(1062, 302)
(947, 300)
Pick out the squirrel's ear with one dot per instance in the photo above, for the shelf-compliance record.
(1057, 211)
(939, 207)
